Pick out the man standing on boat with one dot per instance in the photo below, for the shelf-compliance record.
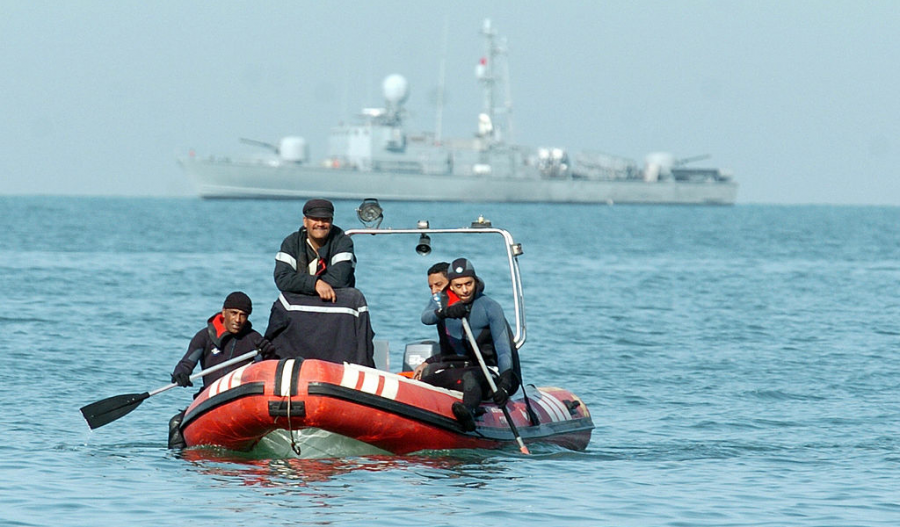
(318, 258)
(315, 265)
(456, 367)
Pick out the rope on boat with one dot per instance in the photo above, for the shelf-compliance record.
(294, 446)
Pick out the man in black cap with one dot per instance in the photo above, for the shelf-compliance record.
(457, 367)
(227, 334)
(318, 258)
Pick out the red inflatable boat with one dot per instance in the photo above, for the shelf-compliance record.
(385, 410)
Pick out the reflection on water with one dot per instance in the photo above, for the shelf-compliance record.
(471, 465)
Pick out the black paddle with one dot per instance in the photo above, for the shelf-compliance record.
(490, 380)
(108, 410)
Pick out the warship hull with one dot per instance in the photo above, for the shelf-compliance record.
(225, 179)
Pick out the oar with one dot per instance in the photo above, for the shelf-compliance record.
(490, 380)
(108, 410)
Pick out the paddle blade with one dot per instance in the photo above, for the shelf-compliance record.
(108, 410)
(522, 448)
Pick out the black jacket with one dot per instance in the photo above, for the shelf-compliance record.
(305, 326)
(336, 262)
(215, 345)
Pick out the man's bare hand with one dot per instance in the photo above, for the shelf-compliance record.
(325, 291)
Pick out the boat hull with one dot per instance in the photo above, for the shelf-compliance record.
(222, 178)
(381, 409)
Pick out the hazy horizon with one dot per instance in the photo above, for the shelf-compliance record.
(798, 99)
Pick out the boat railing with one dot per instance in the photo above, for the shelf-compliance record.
(481, 227)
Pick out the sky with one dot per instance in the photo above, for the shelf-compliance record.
(798, 99)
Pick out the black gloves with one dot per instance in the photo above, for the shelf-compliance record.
(457, 310)
(504, 385)
(182, 379)
(266, 350)
(500, 396)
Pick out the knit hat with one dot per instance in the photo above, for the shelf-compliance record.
(318, 208)
(460, 268)
(238, 300)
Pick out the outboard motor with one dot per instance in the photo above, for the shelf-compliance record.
(417, 352)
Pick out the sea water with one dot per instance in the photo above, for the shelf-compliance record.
(741, 365)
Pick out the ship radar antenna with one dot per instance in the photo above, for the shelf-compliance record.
(396, 91)
(439, 117)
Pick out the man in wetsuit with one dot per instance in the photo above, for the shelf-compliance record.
(457, 367)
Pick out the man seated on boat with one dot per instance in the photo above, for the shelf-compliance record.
(227, 334)
(437, 277)
(318, 258)
(456, 367)
(437, 283)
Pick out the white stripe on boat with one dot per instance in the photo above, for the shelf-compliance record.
(350, 377)
(563, 409)
(391, 385)
(286, 378)
(370, 381)
(550, 408)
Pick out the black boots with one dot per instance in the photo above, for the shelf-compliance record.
(464, 416)
(176, 440)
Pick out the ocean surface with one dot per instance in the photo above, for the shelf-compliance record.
(742, 365)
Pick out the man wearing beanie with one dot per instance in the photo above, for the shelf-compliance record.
(457, 367)
(318, 258)
(227, 334)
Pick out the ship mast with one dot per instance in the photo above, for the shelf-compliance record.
(490, 76)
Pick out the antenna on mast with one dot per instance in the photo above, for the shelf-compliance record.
(439, 118)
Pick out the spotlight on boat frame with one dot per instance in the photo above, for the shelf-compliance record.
(369, 213)
(424, 245)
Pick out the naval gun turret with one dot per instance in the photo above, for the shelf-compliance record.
(290, 149)
(661, 166)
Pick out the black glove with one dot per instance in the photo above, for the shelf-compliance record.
(500, 396)
(182, 379)
(507, 380)
(505, 385)
(457, 310)
(440, 314)
(267, 350)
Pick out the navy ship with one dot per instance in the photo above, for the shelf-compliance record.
(377, 157)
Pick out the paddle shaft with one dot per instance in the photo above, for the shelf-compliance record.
(490, 381)
(207, 371)
(108, 410)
